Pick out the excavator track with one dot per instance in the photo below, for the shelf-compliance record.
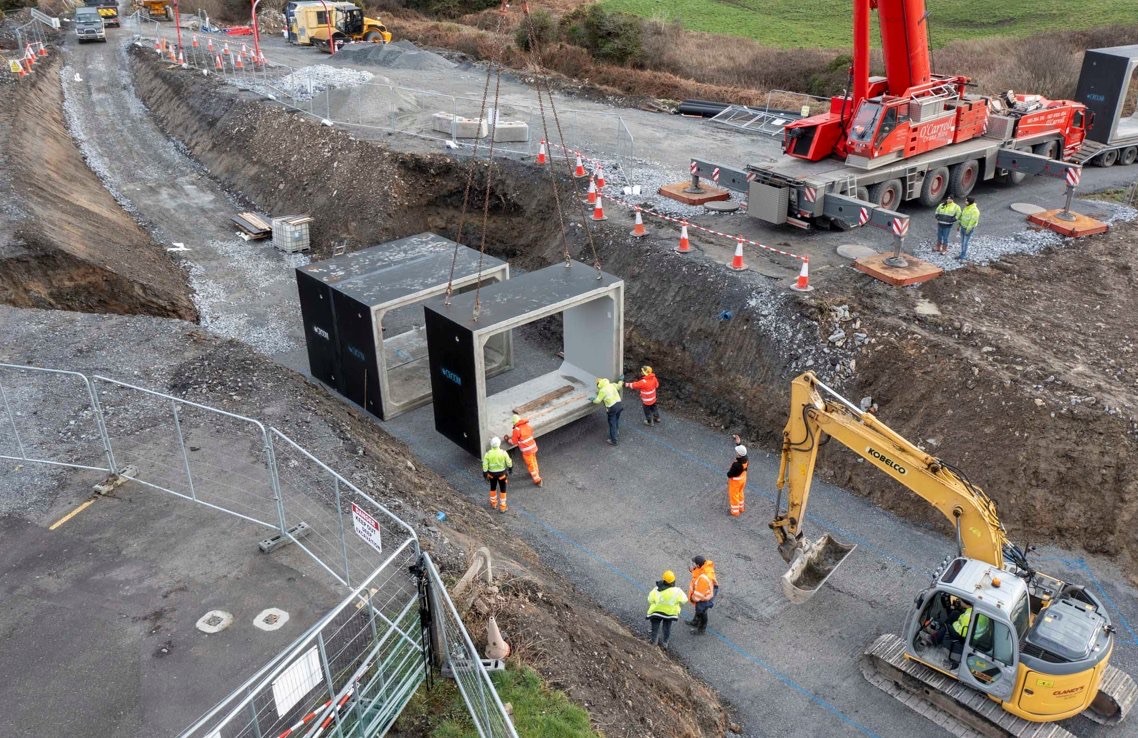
(1116, 695)
(945, 701)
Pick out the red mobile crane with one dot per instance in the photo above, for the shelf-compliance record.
(908, 135)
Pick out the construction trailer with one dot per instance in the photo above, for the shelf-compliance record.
(1108, 86)
(464, 337)
(363, 317)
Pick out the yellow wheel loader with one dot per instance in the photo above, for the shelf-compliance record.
(991, 646)
(156, 9)
(308, 25)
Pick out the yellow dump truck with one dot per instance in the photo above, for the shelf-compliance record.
(308, 25)
(156, 9)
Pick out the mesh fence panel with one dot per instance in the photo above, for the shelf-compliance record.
(49, 417)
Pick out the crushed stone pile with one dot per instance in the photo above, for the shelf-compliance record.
(397, 55)
(307, 82)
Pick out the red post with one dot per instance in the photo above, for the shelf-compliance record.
(178, 26)
(256, 36)
(331, 29)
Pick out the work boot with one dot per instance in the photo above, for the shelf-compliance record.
(503, 508)
(664, 645)
(610, 442)
(647, 422)
(691, 622)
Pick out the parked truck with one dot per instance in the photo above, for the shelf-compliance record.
(914, 135)
(156, 9)
(89, 25)
(308, 25)
(108, 10)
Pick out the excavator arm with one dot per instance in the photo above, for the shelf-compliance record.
(816, 411)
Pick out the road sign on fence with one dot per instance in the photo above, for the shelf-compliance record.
(366, 527)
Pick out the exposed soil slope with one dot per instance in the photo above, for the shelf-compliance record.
(66, 243)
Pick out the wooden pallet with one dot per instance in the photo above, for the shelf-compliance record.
(252, 226)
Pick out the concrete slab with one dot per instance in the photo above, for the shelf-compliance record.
(509, 131)
(855, 251)
(711, 193)
(916, 272)
(1026, 208)
(99, 615)
(1081, 226)
(721, 206)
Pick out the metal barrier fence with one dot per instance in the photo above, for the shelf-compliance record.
(372, 107)
(357, 667)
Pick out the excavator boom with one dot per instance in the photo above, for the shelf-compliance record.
(816, 411)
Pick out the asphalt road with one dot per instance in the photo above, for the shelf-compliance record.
(612, 519)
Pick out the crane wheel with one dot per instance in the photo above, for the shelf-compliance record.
(935, 187)
(1128, 156)
(1048, 149)
(887, 194)
(1107, 158)
(963, 178)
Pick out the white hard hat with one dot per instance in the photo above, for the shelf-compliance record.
(495, 442)
(740, 450)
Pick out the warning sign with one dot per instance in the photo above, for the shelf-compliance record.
(14, 66)
(366, 527)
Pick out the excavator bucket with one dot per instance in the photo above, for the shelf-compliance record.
(811, 565)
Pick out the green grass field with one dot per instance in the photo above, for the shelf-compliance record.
(828, 23)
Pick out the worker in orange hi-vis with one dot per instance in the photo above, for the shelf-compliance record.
(737, 480)
(522, 436)
(647, 386)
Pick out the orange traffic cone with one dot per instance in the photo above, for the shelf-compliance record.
(209, 45)
(600, 177)
(685, 245)
(542, 156)
(158, 45)
(43, 50)
(496, 647)
(737, 262)
(172, 55)
(194, 41)
(599, 210)
(30, 55)
(802, 284)
(238, 63)
(23, 72)
(579, 171)
(244, 50)
(181, 59)
(217, 63)
(226, 50)
(591, 193)
(638, 228)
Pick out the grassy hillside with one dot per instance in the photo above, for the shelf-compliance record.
(827, 23)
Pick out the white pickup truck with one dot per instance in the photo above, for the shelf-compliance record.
(89, 25)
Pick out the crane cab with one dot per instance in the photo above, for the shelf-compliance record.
(1037, 646)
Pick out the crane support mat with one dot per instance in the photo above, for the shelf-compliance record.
(1082, 225)
(916, 272)
(710, 193)
(463, 335)
(363, 317)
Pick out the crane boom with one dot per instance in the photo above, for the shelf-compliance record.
(816, 411)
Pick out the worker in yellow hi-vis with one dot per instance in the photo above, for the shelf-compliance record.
(496, 467)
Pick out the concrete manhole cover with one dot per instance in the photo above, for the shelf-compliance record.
(855, 251)
(721, 206)
(271, 619)
(1026, 208)
(214, 621)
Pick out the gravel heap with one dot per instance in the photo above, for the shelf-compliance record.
(307, 82)
(397, 55)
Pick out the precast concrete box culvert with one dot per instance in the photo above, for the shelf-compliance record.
(363, 317)
(465, 336)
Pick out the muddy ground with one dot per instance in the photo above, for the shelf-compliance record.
(1031, 356)
(1024, 379)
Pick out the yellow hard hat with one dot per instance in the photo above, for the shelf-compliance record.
(645, 370)
(515, 419)
(669, 576)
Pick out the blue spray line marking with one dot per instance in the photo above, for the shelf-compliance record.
(826, 523)
(787, 681)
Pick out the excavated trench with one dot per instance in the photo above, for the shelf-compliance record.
(69, 244)
(725, 344)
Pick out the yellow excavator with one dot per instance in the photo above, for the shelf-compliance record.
(991, 646)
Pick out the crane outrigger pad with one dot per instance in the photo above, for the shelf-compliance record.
(811, 565)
